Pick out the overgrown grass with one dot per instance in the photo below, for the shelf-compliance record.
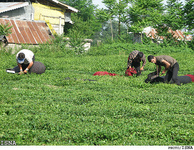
(60, 107)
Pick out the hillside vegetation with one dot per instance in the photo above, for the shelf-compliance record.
(63, 107)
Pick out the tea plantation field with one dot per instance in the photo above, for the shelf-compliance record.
(63, 107)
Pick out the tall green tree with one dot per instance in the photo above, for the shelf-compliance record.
(105, 34)
(86, 8)
(174, 16)
(189, 20)
(114, 10)
(85, 27)
(121, 8)
(144, 13)
(110, 12)
(86, 15)
(189, 14)
(172, 19)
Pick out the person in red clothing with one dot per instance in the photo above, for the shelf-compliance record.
(134, 59)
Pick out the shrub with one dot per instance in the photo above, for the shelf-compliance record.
(126, 48)
(5, 29)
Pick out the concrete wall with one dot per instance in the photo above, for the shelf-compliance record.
(24, 13)
(14, 48)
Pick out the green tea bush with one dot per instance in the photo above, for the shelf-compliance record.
(126, 48)
(191, 44)
(62, 107)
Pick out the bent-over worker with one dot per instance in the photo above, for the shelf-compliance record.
(134, 59)
(25, 60)
(170, 64)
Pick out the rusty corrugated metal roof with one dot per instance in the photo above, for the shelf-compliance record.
(152, 33)
(27, 32)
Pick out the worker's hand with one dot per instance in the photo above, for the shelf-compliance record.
(141, 69)
(163, 72)
(25, 71)
(21, 72)
(128, 67)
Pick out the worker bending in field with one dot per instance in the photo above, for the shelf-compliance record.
(25, 60)
(134, 59)
(169, 63)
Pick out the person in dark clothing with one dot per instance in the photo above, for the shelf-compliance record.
(134, 59)
(170, 64)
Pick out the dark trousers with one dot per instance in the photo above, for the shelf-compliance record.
(24, 66)
(137, 67)
(171, 75)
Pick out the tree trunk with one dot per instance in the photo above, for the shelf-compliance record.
(119, 31)
(111, 29)
(141, 38)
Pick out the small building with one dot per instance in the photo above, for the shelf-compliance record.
(152, 34)
(35, 21)
(53, 12)
(179, 35)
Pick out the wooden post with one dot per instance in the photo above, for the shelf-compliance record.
(60, 25)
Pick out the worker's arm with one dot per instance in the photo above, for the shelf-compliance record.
(158, 69)
(129, 63)
(29, 66)
(144, 63)
(20, 66)
(167, 66)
